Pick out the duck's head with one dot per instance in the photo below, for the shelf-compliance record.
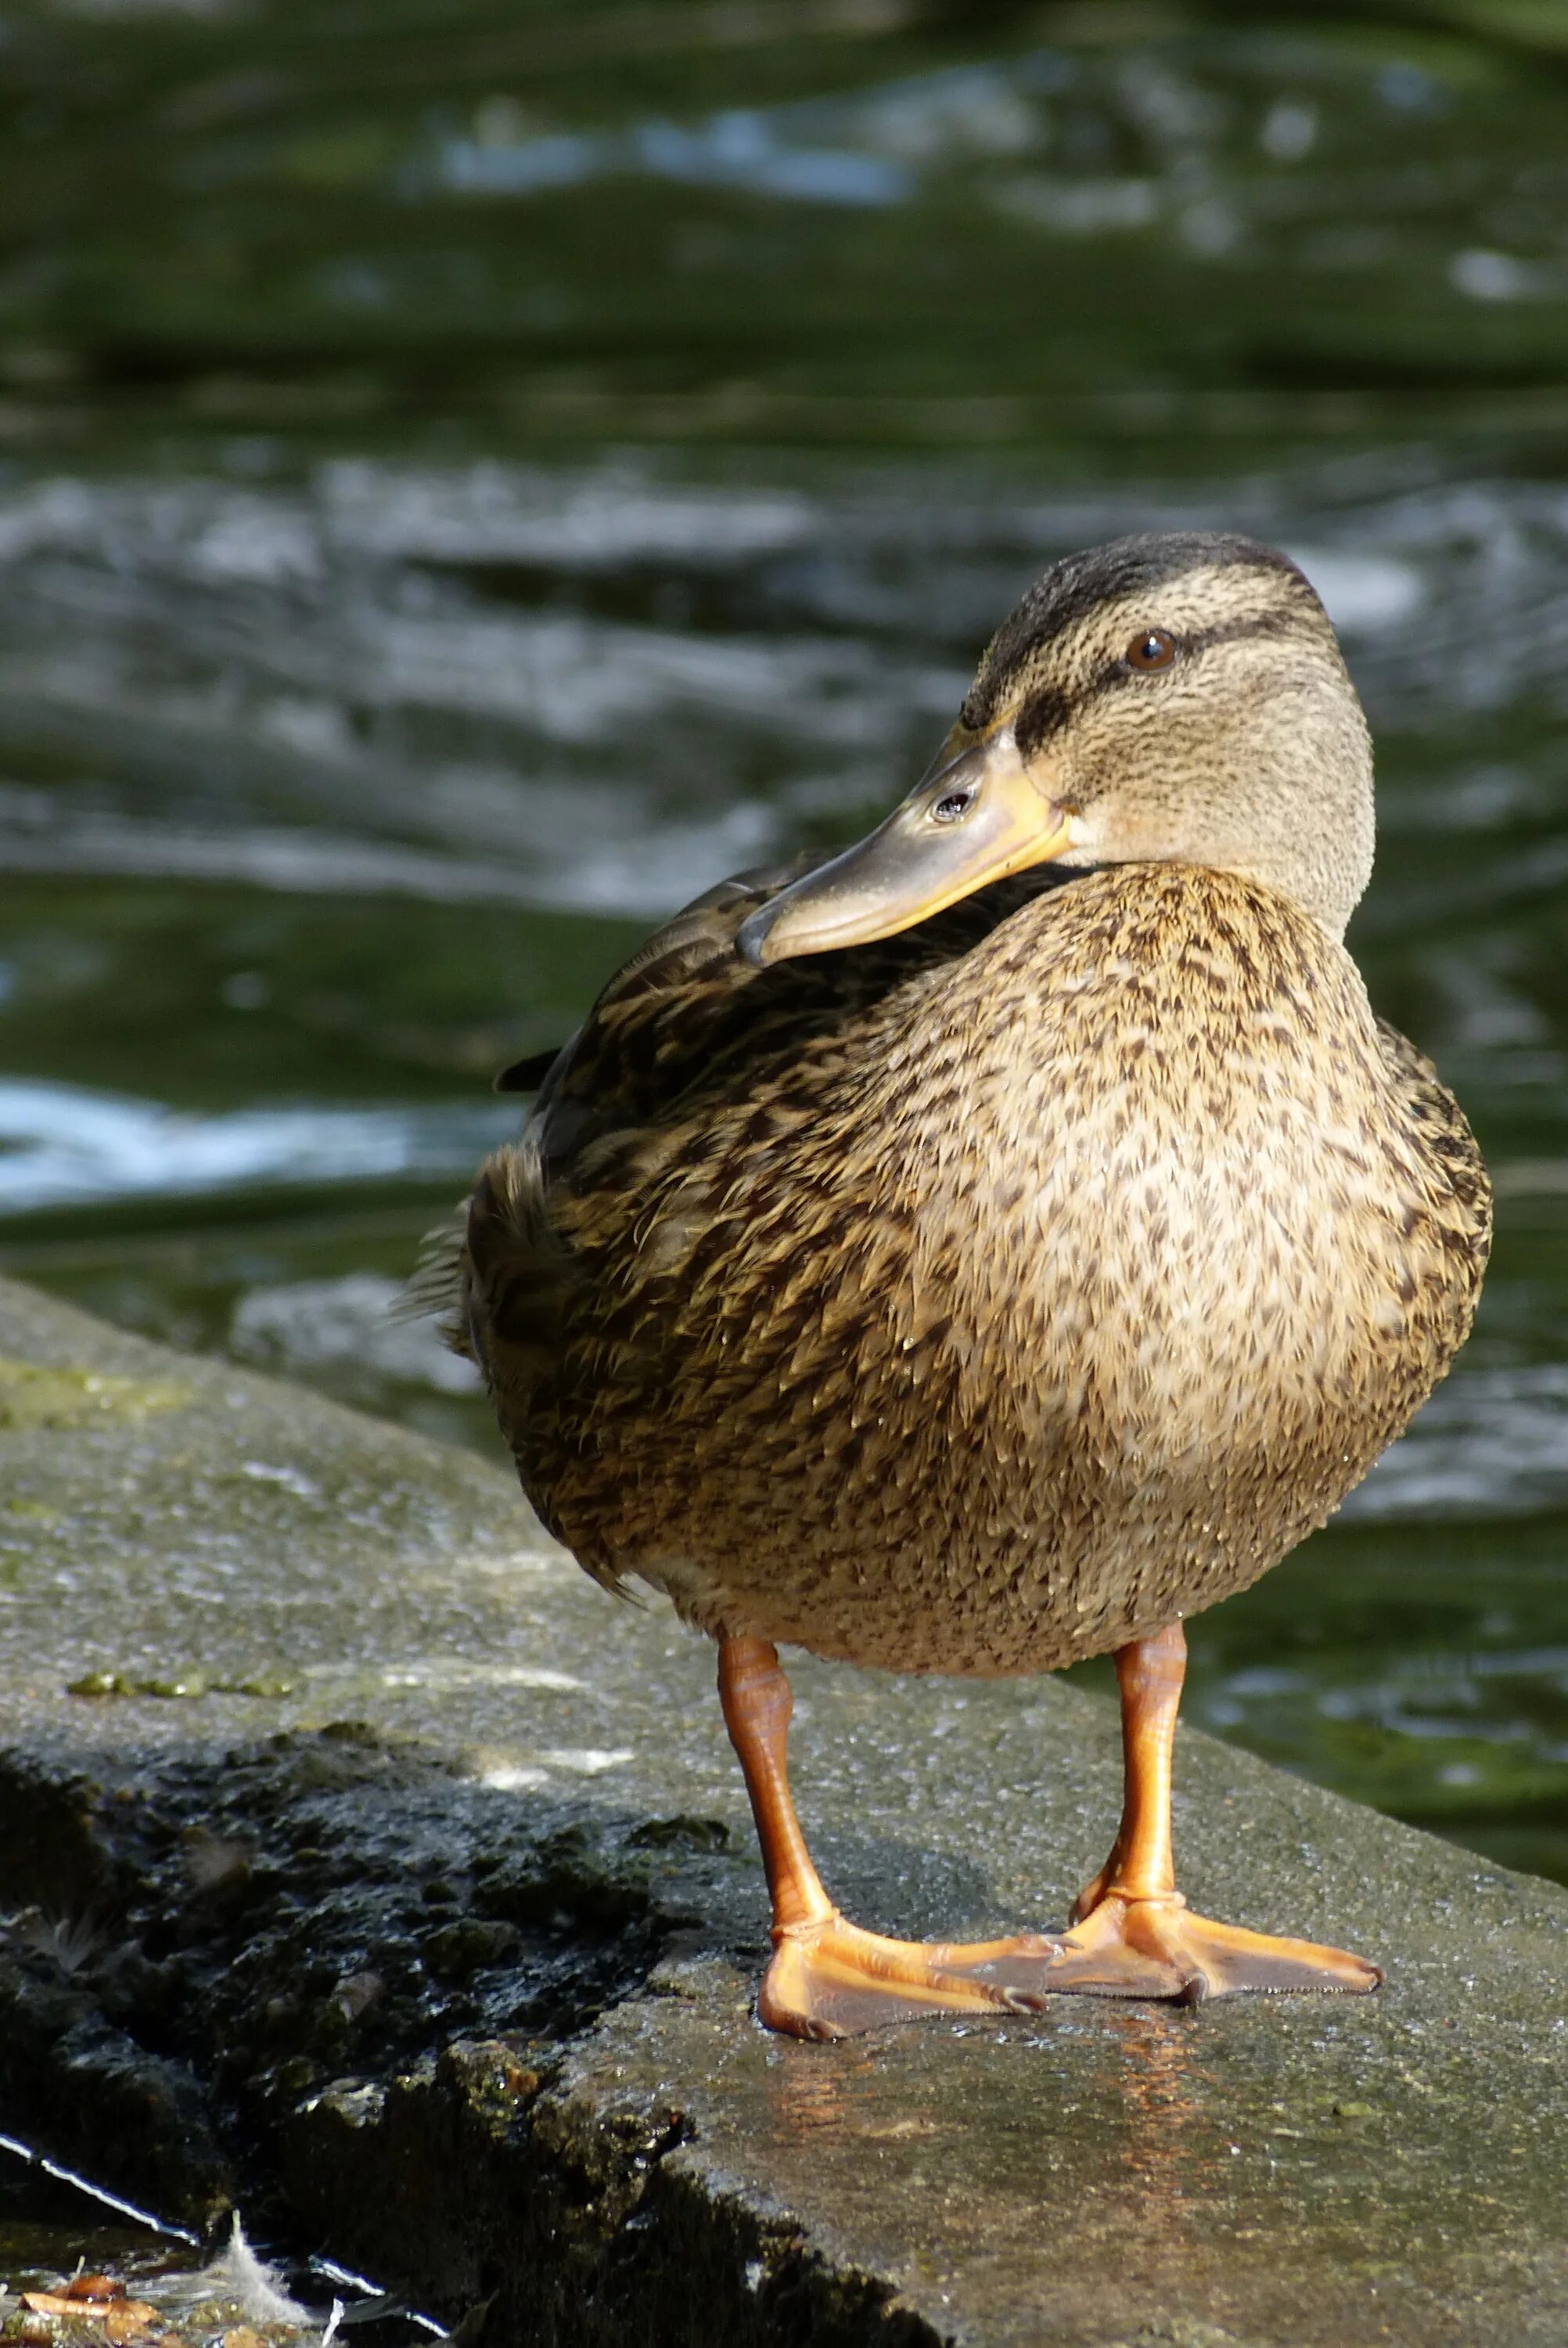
(1178, 698)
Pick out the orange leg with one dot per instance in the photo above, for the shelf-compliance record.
(1134, 1935)
(828, 1979)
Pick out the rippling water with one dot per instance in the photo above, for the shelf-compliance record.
(469, 480)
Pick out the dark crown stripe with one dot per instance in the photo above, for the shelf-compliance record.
(1077, 587)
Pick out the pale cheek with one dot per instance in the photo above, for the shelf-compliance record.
(1128, 835)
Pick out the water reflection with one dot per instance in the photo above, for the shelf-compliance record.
(1127, 2141)
(1172, 2162)
(810, 2097)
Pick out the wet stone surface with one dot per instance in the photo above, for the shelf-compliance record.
(381, 1874)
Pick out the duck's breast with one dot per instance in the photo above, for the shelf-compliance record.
(1066, 1289)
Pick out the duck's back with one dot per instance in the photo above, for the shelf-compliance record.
(984, 1299)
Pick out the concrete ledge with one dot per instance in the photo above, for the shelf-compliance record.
(399, 1882)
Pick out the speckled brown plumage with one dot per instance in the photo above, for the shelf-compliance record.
(987, 1247)
(985, 1298)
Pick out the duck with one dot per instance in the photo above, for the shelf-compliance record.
(990, 1245)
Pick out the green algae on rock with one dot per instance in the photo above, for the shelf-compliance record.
(34, 1396)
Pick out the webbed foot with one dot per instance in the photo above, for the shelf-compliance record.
(829, 1979)
(1133, 1945)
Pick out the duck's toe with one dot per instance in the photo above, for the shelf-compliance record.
(1127, 1946)
(832, 1980)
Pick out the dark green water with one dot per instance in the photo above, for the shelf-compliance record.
(471, 474)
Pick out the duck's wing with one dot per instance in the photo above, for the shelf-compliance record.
(598, 1062)
(687, 1028)
(697, 942)
(657, 1025)
(657, 1009)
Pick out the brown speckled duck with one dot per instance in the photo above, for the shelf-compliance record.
(991, 1245)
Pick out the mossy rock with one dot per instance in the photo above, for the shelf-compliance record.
(33, 1397)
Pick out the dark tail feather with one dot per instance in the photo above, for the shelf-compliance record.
(527, 1076)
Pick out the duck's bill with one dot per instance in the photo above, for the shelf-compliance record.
(974, 818)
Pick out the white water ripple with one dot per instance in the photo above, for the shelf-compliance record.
(1490, 1443)
(62, 1145)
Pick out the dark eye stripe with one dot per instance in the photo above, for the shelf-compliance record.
(1043, 715)
(1047, 712)
(1230, 632)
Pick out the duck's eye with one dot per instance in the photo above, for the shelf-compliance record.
(1151, 648)
(952, 806)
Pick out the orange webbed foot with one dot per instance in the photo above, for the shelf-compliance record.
(832, 1980)
(1124, 1945)
(1133, 1934)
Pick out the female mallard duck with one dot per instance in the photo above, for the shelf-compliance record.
(953, 1272)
